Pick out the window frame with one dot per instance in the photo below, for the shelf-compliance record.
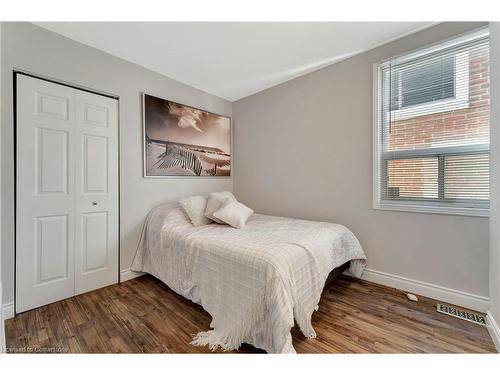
(439, 206)
(461, 99)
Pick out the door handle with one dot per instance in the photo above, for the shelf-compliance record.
(94, 203)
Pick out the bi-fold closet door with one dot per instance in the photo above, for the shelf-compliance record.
(66, 192)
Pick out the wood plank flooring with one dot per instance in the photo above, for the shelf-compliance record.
(145, 316)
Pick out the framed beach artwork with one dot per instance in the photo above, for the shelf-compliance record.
(180, 140)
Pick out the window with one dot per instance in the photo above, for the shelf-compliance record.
(426, 86)
(415, 85)
(432, 128)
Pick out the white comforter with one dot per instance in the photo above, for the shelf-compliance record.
(253, 281)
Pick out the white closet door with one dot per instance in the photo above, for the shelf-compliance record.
(45, 215)
(67, 192)
(96, 192)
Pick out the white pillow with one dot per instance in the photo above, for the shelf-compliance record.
(195, 209)
(233, 213)
(215, 201)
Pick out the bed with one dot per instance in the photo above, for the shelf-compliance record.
(255, 282)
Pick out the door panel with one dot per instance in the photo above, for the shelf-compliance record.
(95, 161)
(52, 156)
(95, 115)
(51, 248)
(52, 106)
(45, 209)
(95, 239)
(67, 192)
(96, 192)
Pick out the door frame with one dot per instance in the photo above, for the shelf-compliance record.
(15, 73)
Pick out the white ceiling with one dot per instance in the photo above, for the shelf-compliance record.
(233, 60)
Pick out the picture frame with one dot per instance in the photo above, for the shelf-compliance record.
(180, 140)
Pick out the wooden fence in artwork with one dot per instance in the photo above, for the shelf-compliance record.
(184, 156)
(176, 156)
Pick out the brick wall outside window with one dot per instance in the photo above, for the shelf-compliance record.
(418, 177)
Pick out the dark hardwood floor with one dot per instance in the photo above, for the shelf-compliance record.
(145, 316)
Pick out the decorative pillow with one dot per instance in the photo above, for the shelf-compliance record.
(195, 209)
(215, 201)
(233, 213)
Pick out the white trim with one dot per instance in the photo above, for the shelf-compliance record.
(8, 310)
(440, 293)
(493, 330)
(439, 106)
(377, 133)
(128, 274)
(429, 209)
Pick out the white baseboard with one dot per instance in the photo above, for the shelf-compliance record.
(493, 330)
(440, 293)
(128, 274)
(8, 310)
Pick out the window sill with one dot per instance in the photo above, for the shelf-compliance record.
(409, 207)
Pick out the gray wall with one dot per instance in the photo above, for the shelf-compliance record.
(495, 173)
(30, 48)
(305, 149)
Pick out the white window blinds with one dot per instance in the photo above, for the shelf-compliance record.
(433, 126)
